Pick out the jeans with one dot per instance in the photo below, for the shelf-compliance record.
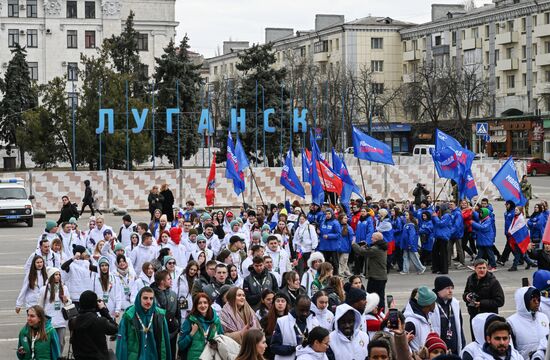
(61, 335)
(343, 264)
(486, 251)
(411, 256)
(459, 251)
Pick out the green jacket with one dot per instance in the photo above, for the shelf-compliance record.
(43, 350)
(526, 189)
(133, 344)
(194, 345)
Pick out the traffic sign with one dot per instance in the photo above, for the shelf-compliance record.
(482, 129)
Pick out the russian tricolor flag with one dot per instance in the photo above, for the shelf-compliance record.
(519, 233)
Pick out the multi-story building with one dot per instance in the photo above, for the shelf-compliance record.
(336, 45)
(509, 42)
(56, 32)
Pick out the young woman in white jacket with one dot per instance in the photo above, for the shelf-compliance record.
(305, 241)
(319, 306)
(107, 287)
(315, 346)
(145, 278)
(126, 278)
(52, 298)
(34, 280)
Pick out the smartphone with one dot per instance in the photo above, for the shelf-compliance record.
(524, 282)
(389, 300)
(393, 319)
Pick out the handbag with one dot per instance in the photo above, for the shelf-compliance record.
(69, 311)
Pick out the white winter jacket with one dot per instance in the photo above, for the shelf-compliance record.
(307, 353)
(344, 348)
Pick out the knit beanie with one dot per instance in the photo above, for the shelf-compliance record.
(118, 247)
(88, 300)
(166, 259)
(205, 216)
(433, 341)
(72, 220)
(201, 237)
(103, 260)
(78, 249)
(442, 282)
(107, 231)
(50, 224)
(355, 295)
(51, 271)
(265, 227)
(233, 223)
(425, 296)
(484, 213)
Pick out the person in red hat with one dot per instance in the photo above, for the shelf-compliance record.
(435, 346)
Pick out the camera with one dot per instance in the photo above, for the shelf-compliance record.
(183, 303)
(473, 298)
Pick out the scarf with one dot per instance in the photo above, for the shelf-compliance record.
(233, 321)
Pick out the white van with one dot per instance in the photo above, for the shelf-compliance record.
(420, 150)
(15, 205)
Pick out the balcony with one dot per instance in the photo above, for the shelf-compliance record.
(408, 78)
(321, 57)
(542, 59)
(507, 64)
(542, 31)
(509, 37)
(470, 44)
(411, 55)
(440, 50)
(542, 88)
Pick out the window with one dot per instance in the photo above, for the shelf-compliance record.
(71, 9)
(72, 71)
(534, 20)
(337, 44)
(546, 18)
(32, 38)
(475, 33)
(32, 8)
(33, 70)
(509, 53)
(323, 69)
(330, 45)
(486, 31)
(547, 47)
(377, 65)
(13, 37)
(510, 25)
(415, 44)
(511, 81)
(143, 42)
(524, 79)
(523, 24)
(143, 71)
(89, 39)
(438, 40)
(89, 9)
(463, 34)
(497, 81)
(320, 47)
(378, 88)
(534, 51)
(376, 43)
(497, 56)
(13, 8)
(215, 70)
(72, 39)
(72, 100)
(524, 52)
(534, 78)
(453, 38)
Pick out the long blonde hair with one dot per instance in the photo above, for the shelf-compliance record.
(247, 314)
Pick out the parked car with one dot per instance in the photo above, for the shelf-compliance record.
(15, 205)
(420, 150)
(537, 166)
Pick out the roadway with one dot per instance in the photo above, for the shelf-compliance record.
(18, 242)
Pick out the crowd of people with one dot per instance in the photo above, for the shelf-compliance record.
(283, 283)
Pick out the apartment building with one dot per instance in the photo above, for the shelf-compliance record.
(509, 42)
(336, 45)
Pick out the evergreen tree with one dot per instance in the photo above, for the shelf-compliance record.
(256, 64)
(176, 70)
(18, 98)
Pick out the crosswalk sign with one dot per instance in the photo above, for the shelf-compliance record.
(482, 129)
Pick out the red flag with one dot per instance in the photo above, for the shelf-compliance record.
(330, 181)
(211, 184)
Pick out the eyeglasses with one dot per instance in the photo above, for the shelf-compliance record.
(171, 263)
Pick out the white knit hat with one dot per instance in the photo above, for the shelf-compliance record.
(51, 271)
(372, 301)
(314, 257)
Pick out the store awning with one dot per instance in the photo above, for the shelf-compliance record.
(498, 139)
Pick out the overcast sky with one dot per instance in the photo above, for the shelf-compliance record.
(210, 22)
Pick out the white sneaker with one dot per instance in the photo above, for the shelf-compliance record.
(404, 273)
(422, 271)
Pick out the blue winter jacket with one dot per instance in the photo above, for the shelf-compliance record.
(397, 225)
(484, 232)
(508, 217)
(410, 237)
(317, 217)
(344, 245)
(458, 224)
(443, 226)
(332, 229)
(536, 224)
(493, 219)
(364, 230)
(386, 229)
(427, 228)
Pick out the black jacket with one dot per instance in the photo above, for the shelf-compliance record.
(88, 334)
(167, 300)
(292, 295)
(489, 292)
(88, 196)
(67, 212)
(542, 257)
(255, 283)
(168, 204)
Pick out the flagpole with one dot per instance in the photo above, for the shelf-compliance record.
(482, 193)
(362, 178)
(257, 187)
(440, 191)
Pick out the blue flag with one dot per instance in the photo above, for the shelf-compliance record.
(349, 185)
(451, 160)
(241, 155)
(507, 183)
(306, 167)
(467, 186)
(232, 168)
(317, 192)
(289, 179)
(368, 148)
